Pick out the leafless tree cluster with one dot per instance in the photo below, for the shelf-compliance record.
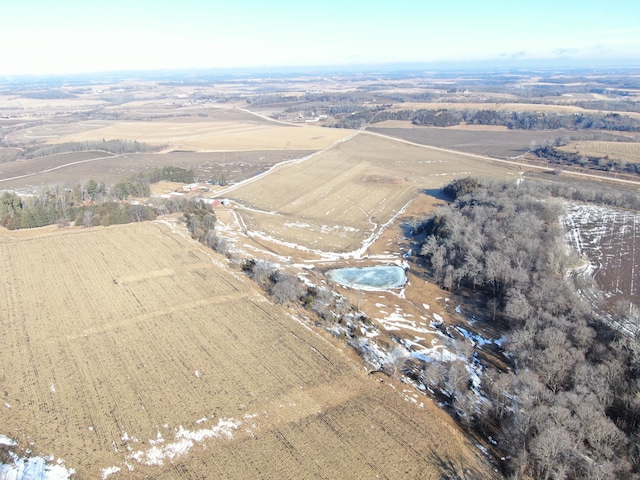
(570, 405)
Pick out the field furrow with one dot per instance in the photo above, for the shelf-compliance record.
(131, 348)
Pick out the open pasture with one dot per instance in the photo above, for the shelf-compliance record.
(629, 151)
(130, 352)
(335, 200)
(104, 167)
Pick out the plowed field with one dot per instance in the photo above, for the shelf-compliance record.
(130, 352)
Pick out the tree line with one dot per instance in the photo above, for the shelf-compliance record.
(116, 146)
(524, 120)
(567, 405)
(605, 164)
(91, 203)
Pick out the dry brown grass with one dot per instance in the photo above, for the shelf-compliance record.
(630, 151)
(133, 339)
(334, 200)
(219, 135)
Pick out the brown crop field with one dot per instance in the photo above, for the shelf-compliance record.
(336, 199)
(131, 352)
(629, 151)
(218, 135)
(74, 168)
(499, 142)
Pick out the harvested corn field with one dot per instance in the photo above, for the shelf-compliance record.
(339, 199)
(131, 352)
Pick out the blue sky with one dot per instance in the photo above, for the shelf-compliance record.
(62, 36)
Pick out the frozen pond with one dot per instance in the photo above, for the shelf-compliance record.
(369, 278)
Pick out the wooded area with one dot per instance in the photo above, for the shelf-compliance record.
(568, 405)
(92, 203)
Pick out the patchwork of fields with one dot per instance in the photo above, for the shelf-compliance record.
(130, 352)
(134, 352)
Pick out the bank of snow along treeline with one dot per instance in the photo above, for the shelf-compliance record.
(565, 402)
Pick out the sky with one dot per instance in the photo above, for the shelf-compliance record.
(78, 36)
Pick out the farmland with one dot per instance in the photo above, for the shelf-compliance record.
(135, 352)
(154, 360)
(627, 151)
(608, 238)
(492, 142)
(74, 168)
(322, 211)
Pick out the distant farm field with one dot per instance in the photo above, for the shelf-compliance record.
(497, 142)
(334, 200)
(218, 135)
(12, 102)
(129, 352)
(629, 151)
(74, 168)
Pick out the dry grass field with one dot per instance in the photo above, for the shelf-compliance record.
(130, 352)
(205, 136)
(629, 151)
(498, 142)
(337, 199)
(74, 168)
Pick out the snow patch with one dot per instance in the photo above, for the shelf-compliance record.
(184, 441)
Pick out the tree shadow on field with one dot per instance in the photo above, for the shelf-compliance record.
(451, 469)
(437, 193)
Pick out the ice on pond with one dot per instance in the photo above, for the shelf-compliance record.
(369, 278)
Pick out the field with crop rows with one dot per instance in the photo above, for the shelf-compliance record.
(130, 352)
(630, 151)
(334, 200)
(610, 239)
(74, 168)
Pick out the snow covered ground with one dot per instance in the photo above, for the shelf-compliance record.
(32, 468)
